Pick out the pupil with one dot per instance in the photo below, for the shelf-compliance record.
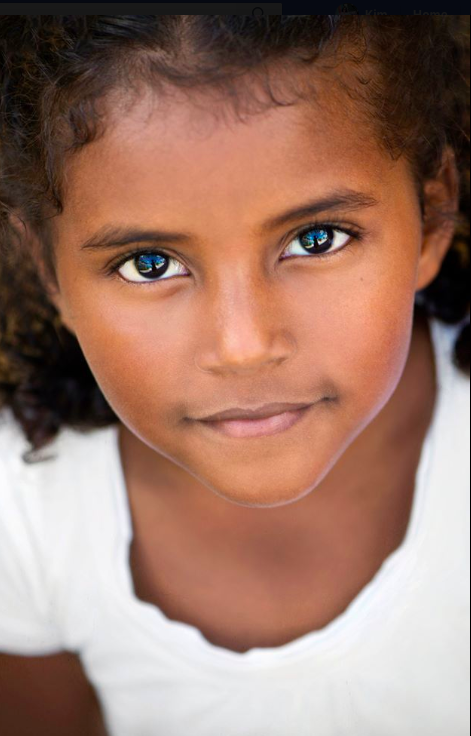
(317, 237)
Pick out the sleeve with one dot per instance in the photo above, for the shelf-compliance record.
(26, 623)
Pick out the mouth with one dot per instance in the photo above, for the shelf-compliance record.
(263, 427)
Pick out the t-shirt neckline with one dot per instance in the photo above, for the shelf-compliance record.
(395, 570)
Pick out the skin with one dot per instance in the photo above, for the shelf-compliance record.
(242, 326)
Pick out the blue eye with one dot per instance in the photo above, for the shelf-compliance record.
(319, 240)
(150, 266)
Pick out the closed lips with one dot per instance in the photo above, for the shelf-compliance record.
(268, 410)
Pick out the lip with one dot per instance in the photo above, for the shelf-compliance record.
(262, 412)
(263, 427)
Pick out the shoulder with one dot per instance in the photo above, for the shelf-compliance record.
(25, 625)
(450, 441)
(453, 406)
(50, 492)
(50, 520)
(23, 484)
(453, 382)
(68, 464)
(12, 439)
(15, 480)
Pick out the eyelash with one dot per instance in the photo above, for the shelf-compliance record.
(355, 234)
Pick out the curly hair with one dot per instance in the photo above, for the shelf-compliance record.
(410, 76)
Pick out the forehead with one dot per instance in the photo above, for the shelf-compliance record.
(184, 156)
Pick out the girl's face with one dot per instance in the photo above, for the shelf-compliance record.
(244, 313)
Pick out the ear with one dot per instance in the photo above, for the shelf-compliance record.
(441, 205)
(51, 289)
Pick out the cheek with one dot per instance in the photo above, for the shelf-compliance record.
(138, 357)
(368, 339)
(356, 327)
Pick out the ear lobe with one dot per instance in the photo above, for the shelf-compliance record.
(441, 206)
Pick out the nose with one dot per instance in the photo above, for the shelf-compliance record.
(245, 330)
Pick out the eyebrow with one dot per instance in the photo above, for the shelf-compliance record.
(115, 236)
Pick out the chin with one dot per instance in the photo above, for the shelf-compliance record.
(259, 500)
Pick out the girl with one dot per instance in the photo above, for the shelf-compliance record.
(234, 488)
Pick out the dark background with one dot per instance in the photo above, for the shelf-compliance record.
(402, 7)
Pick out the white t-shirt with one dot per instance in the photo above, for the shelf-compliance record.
(395, 663)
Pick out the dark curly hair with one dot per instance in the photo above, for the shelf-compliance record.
(409, 74)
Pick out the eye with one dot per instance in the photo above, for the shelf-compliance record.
(150, 266)
(321, 239)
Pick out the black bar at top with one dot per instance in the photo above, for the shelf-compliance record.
(151, 8)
